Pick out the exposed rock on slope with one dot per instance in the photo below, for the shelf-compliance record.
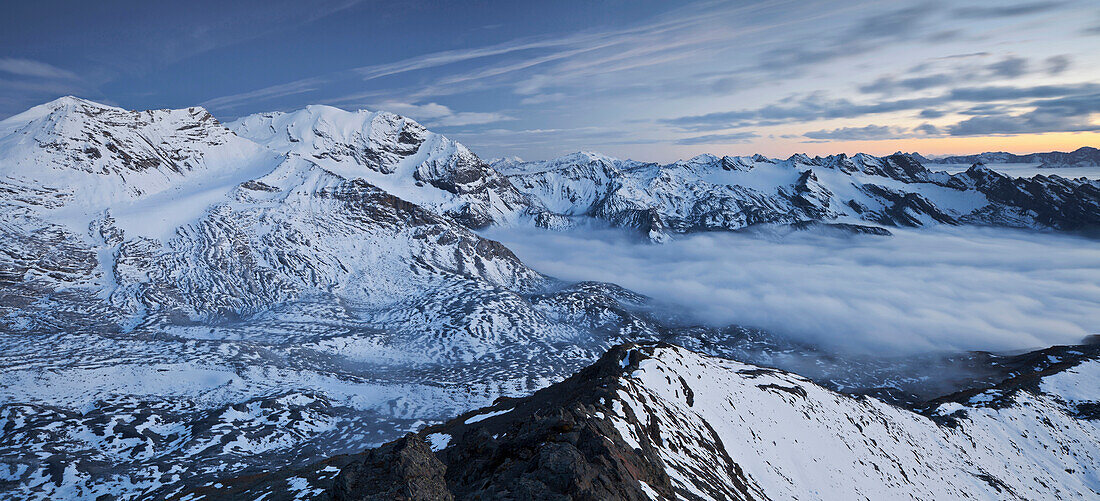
(180, 221)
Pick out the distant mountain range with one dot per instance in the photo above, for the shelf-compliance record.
(1085, 156)
(862, 193)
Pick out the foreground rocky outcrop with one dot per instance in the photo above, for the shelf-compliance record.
(404, 469)
(657, 421)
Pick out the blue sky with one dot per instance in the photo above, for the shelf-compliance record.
(654, 80)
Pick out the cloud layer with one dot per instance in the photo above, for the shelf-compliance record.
(921, 290)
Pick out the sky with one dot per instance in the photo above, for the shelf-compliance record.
(643, 79)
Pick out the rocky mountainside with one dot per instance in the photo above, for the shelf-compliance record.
(178, 220)
(1081, 157)
(229, 303)
(399, 156)
(662, 422)
(184, 301)
(860, 193)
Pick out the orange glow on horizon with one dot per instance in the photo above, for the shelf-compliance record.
(1030, 143)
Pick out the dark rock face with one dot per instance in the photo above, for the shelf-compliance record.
(557, 444)
(1052, 201)
(905, 209)
(843, 228)
(564, 455)
(402, 470)
(1023, 372)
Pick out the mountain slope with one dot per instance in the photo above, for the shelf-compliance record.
(661, 422)
(397, 155)
(167, 217)
(217, 304)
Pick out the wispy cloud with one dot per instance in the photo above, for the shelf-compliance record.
(32, 68)
(870, 132)
(266, 93)
(1071, 101)
(731, 138)
(995, 11)
(679, 75)
(435, 114)
(1056, 65)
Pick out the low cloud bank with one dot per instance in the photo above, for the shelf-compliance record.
(921, 290)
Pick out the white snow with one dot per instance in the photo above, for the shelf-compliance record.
(1078, 384)
(794, 439)
(439, 441)
(487, 415)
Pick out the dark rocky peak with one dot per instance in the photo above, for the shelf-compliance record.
(905, 168)
(914, 155)
(978, 176)
(980, 171)
(404, 469)
(840, 162)
(556, 444)
(801, 158)
(1052, 201)
(737, 163)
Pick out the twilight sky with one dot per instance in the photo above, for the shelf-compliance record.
(647, 79)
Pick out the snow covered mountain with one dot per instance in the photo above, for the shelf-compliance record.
(661, 422)
(399, 156)
(284, 293)
(170, 217)
(1081, 157)
(859, 193)
(183, 301)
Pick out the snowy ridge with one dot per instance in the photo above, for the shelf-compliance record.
(662, 422)
(396, 154)
(792, 438)
(709, 193)
(154, 170)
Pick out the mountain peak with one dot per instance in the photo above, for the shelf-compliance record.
(75, 101)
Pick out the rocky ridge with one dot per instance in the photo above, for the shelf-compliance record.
(661, 422)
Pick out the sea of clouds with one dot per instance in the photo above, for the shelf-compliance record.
(921, 290)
